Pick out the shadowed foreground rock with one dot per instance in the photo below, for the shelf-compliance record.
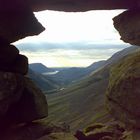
(38, 130)
(17, 24)
(20, 100)
(111, 131)
(11, 88)
(17, 20)
(32, 105)
(81, 5)
(123, 94)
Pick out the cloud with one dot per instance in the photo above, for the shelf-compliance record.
(45, 46)
(94, 26)
(73, 39)
(68, 54)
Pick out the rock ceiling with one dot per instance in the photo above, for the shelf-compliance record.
(82, 5)
(17, 19)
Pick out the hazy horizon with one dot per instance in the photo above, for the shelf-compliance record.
(73, 39)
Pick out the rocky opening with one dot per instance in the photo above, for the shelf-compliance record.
(17, 22)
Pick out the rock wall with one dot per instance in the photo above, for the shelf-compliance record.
(69, 5)
(127, 24)
(20, 100)
(81, 5)
(17, 24)
(123, 93)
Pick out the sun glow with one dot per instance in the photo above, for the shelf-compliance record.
(91, 28)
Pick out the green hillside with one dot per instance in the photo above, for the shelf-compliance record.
(46, 84)
(81, 104)
(84, 103)
(71, 75)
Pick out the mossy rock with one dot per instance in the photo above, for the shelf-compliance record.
(93, 127)
(58, 136)
(123, 95)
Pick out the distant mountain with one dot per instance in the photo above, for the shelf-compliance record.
(117, 56)
(67, 76)
(84, 102)
(96, 65)
(40, 68)
(71, 75)
(44, 83)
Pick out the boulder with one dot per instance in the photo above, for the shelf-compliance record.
(8, 54)
(94, 127)
(112, 130)
(123, 93)
(31, 106)
(17, 21)
(13, 63)
(20, 65)
(39, 130)
(11, 87)
(93, 136)
(127, 23)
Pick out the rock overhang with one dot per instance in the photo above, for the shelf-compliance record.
(14, 28)
(81, 5)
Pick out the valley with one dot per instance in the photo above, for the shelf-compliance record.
(82, 103)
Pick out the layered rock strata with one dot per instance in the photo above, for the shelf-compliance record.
(20, 100)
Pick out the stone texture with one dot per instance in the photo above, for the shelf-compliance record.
(128, 25)
(31, 106)
(39, 130)
(36, 100)
(12, 61)
(18, 23)
(58, 136)
(93, 136)
(112, 130)
(123, 93)
(11, 87)
(20, 65)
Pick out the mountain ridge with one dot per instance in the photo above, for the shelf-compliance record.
(84, 102)
(40, 68)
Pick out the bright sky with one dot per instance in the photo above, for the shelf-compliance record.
(67, 33)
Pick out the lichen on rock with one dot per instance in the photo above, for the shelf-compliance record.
(123, 93)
